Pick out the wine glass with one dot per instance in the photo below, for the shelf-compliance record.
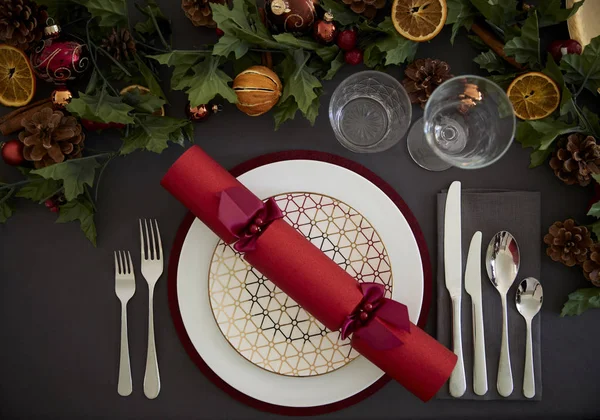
(468, 123)
(369, 112)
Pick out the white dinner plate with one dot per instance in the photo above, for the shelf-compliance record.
(193, 298)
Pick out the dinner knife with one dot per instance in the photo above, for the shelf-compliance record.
(453, 274)
(473, 288)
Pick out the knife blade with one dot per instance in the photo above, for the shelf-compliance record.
(453, 275)
(473, 288)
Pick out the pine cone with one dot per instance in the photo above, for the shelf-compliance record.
(568, 243)
(591, 266)
(199, 12)
(576, 158)
(423, 76)
(21, 22)
(367, 8)
(50, 137)
(120, 44)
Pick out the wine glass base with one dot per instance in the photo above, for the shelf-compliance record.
(421, 152)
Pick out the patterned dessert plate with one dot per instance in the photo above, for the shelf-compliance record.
(204, 263)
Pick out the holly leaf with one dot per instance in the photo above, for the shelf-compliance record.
(460, 14)
(238, 22)
(503, 80)
(39, 189)
(80, 209)
(593, 120)
(550, 12)
(108, 12)
(284, 110)
(491, 62)
(580, 301)
(326, 53)
(539, 157)
(147, 27)
(209, 81)
(335, 65)
(584, 69)
(5, 211)
(594, 210)
(299, 80)
(152, 133)
(553, 71)
(526, 48)
(143, 102)
(540, 134)
(499, 12)
(101, 107)
(75, 174)
(185, 133)
(149, 77)
(385, 46)
(341, 13)
(182, 63)
(313, 110)
(228, 44)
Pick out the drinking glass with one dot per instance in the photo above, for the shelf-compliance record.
(369, 111)
(468, 123)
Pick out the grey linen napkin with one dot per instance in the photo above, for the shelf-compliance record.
(489, 212)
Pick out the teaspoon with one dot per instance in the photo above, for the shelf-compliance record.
(529, 302)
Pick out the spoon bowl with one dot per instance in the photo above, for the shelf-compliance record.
(502, 261)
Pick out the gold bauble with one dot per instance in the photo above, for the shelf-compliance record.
(258, 89)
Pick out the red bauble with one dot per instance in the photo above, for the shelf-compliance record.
(295, 16)
(559, 48)
(324, 30)
(58, 60)
(354, 57)
(12, 152)
(346, 40)
(219, 32)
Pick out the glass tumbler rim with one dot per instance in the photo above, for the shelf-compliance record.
(427, 111)
(395, 84)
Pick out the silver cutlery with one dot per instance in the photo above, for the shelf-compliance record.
(124, 288)
(502, 263)
(152, 269)
(473, 288)
(529, 302)
(453, 274)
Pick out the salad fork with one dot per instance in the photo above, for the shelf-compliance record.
(124, 288)
(152, 269)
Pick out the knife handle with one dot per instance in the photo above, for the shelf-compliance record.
(458, 381)
(480, 381)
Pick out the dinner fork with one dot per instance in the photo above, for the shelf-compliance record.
(152, 269)
(124, 288)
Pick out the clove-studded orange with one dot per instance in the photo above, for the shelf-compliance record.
(258, 89)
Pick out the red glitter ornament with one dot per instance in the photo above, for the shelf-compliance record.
(12, 152)
(324, 30)
(59, 60)
(201, 112)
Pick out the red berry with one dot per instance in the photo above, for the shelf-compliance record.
(562, 47)
(12, 152)
(219, 32)
(354, 57)
(49, 203)
(346, 40)
(54, 209)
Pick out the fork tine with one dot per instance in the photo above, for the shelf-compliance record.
(116, 265)
(125, 265)
(159, 244)
(130, 263)
(142, 243)
(151, 242)
(121, 263)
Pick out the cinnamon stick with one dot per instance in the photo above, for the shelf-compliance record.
(11, 122)
(495, 44)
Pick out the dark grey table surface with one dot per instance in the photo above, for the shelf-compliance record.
(60, 318)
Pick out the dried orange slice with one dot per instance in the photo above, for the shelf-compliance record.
(419, 20)
(143, 90)
(17, 82)
(534, 96)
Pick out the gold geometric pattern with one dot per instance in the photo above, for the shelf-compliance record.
(266, 326)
